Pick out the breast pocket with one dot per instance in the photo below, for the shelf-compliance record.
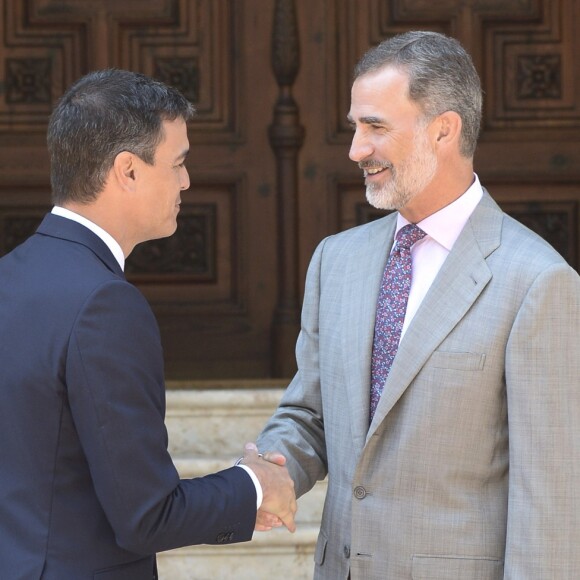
(461, 361)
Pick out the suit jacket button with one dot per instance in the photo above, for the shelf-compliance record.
(360, 492)
(346, 551)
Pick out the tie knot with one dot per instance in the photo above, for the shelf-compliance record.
(409, 235)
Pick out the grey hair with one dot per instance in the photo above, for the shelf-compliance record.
(442, 77)
(101, 115)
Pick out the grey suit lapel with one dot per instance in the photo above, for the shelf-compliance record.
(460, 281)
(362, 278)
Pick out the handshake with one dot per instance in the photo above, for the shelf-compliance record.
(279, 502)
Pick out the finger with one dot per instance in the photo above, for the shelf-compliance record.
(275, 457)
(268, 519)
(250, 452)
(265, 521)
(288, 517)
(288, 521)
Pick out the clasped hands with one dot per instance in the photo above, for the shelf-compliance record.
(279, 502)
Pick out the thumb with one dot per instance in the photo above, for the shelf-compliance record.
(250, 451)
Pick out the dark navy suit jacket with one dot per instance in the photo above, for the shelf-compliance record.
(87, 487)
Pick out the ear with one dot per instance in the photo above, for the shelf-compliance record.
(123, 170)
(447, 128)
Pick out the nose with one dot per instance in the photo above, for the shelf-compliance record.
(184, 179)
(360, 148)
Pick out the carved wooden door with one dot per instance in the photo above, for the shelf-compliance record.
(269, 167)
(213, 284)
(528, 55)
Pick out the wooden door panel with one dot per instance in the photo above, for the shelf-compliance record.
(529, 151)
(211, 284)
(269, 167)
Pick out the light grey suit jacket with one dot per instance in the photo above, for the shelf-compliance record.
(470, 469)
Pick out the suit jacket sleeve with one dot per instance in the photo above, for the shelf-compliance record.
(297, 428)
(543, 393)
(114, 376)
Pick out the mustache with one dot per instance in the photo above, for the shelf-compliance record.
(373, 164)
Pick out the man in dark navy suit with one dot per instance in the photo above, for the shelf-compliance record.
(87, 487)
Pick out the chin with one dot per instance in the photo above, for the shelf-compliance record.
(389, 200)
(165, 232)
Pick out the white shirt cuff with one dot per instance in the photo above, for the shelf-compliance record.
(259, 492)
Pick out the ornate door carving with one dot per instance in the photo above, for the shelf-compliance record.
(526, 52)
(269, 164)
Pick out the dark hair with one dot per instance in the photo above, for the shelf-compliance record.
(101, 115)
(442, 77)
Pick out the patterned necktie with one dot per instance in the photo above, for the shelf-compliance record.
(391, 308)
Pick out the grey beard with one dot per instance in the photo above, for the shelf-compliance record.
(387, 197)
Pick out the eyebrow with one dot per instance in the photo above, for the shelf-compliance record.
(368, 121)
(183, 155)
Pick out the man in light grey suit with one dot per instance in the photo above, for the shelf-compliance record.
(470, 466)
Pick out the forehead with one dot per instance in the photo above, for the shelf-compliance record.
(174, 137)
(384, 92)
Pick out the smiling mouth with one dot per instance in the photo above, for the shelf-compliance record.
(371, 171)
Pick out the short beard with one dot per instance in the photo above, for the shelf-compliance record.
(408, 180)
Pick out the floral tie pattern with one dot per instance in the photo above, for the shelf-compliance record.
(391, 308)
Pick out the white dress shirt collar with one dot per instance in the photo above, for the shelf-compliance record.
(445, 225)
(107, 238)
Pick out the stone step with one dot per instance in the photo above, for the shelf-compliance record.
(217, 421)
(275, 554)
(208, 424)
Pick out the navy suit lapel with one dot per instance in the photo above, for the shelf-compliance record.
(58, 227)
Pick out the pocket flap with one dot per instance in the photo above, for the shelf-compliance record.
(461, 361)
(320, 548)
(139, 570)
(456, 568)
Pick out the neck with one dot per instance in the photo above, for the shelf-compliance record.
(101, 215)
(444, 189)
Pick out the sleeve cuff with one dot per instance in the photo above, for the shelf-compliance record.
(259, 492)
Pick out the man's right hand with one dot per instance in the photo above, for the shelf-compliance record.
(277, 486)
